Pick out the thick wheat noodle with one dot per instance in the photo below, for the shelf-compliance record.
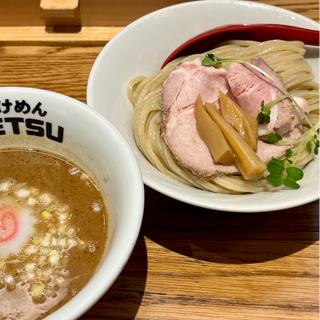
(286, 58)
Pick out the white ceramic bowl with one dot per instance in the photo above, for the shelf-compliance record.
(141, 48)
(93, 143)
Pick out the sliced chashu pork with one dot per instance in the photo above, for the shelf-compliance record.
(273, 77)
(189, 80)
(250, 88)
(275, 80)
(181, 135)
(266, 151)
(179, 128)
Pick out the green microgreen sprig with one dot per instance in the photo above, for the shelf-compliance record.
(282, 172)
(273, 137)
(313, 144)
(288, 155)
(307, 142)
(264, 115)
(211, 60)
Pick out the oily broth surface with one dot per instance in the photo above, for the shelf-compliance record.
(79, 203)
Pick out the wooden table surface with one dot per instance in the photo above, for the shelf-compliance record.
(190, 263)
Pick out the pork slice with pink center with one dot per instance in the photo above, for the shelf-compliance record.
(251, 88)
(189, 80)
(179, 128)
(185, 143)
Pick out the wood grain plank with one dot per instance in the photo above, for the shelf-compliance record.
(214, 265)
(41, 35)
(192, 263)
(308, 8)
(100, 34)
(52, 68)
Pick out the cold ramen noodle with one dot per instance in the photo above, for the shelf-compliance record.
(241, 118)
(53, 229)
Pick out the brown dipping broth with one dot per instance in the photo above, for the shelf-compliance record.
(79, 202)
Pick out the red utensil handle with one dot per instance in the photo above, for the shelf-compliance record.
(256, 32)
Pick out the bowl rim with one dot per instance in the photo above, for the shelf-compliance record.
(152, 182)
(78, 305)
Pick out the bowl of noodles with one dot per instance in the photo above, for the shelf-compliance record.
(231, 129)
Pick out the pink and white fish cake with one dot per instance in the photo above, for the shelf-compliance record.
(16, 229)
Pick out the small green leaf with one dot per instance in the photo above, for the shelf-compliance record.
(289, 153)
(291, 183)
(207, 62)
(266, 110)
(313, 145)
(263, 118)
(273, 137)
(309, 146)
(275, 179)
(316, 147)
(264, 115)
(276, 166)
(211, 60)
(260, 118)
(294, 173)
